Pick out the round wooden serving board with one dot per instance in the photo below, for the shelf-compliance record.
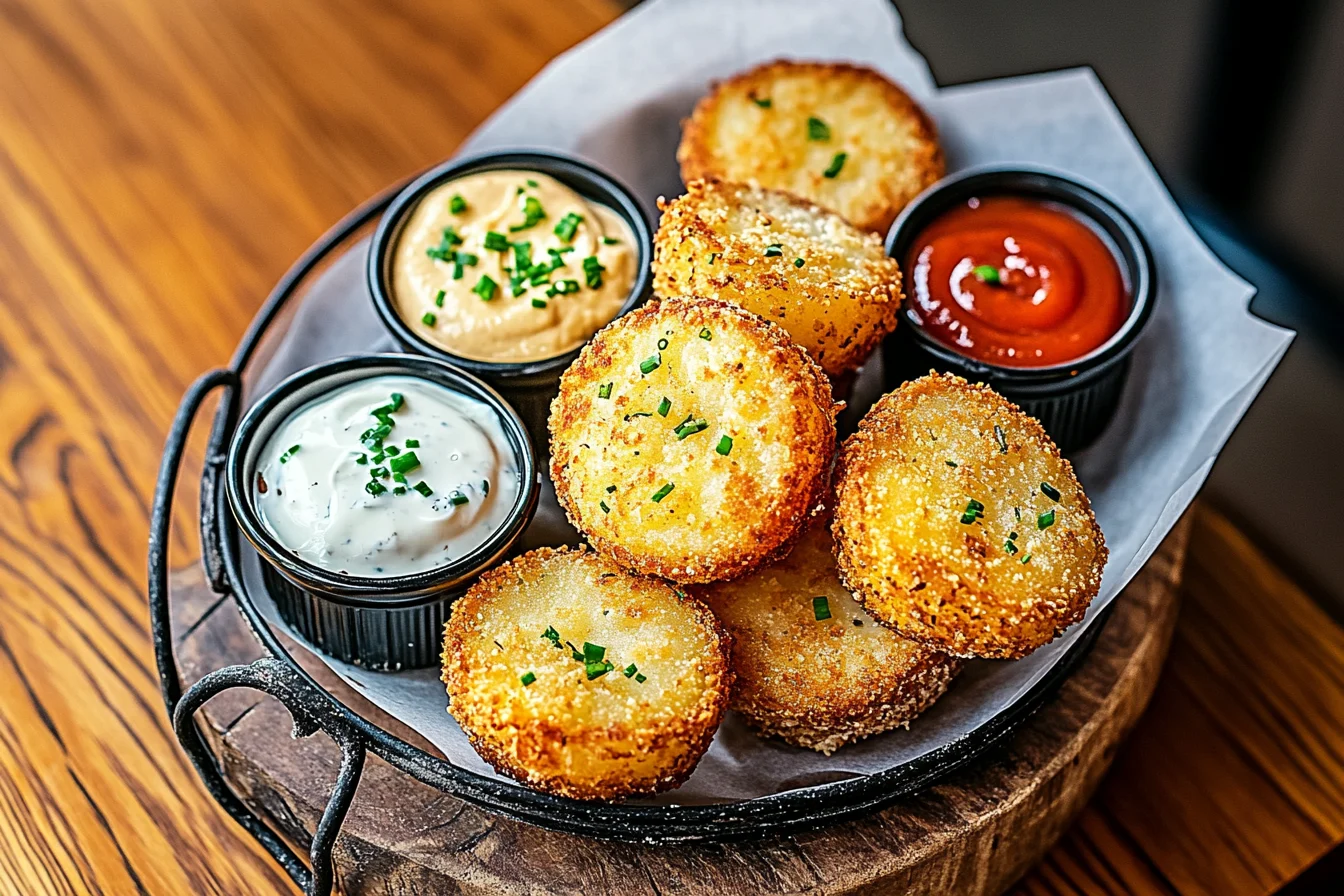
(974, 833)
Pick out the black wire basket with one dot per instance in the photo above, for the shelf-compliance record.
(314, 708)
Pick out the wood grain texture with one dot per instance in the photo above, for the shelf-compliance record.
(161, 164)
(972, 834)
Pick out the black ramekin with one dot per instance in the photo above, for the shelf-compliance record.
(1073, 401)
(381, 623)
(528, 385)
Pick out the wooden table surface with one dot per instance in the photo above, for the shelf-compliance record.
(161, 163)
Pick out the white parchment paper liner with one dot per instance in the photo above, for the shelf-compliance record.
(618, 99)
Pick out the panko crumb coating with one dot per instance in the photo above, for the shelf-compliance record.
(692, 440)
(958, 524)
(820, 683)
(831, 285)
(784, 124)
(517, 661)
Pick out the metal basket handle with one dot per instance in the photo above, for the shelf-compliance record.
(307, 707)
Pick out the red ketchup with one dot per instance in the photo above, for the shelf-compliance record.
(1015, 282)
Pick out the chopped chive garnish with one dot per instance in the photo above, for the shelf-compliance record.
(663, 492)
(404, 463)
(1010, 547)
(974, 511)
(1001, 439)
(467, 258)
(399, 490)
(496, 242)
(412, 443)
(641, 677)
(457, 499)
(597, 670)
(532, 215)
(457, 205)
(837, 162)
(378, 472)
(603, 505)
(485, 486)
(604, 390)
(763, 101)
(374, 487)
(294, 449)
(429, 319)
(821, 608)
(485, 288)
(538, 303)
(362, 459)
(706, 335)
(568, 226)
(438, 298)
(378, 458)
(1046, 520)
(662, 344)
(690, 428)
(1026, 559)
(817, 129)
(531, 183)
(563, 288)
(986, 273)
(664, 406)
(527, 678)
(593, 653)
(950, 463)
(1050, 492)
(774, 250)
(610, 489)
(391, 450)
(714, 256)
(444, 250)
(592, 272)
(458, 270)
(725, 445)
(638, 414)
(551, 635)
(650, 364)
(423, 489)
(798, 262)
(610, 241)
(399, 477)
(629, 671)
(522, 256)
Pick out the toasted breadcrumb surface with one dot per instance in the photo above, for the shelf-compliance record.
(566, 733)
(958, 524)
(754, 127)
(692, 440)
(820, 683)
(831, 285)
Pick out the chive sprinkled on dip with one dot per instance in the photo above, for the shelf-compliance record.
(817, 129)
(474, 244)
(837, 163)
(338, 492)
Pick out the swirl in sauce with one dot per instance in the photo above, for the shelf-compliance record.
(1015, 282)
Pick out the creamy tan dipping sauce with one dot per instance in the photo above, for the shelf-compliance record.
(511, 266)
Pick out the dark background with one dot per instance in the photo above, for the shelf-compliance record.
(1240, 105)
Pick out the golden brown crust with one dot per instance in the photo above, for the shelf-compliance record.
(831, 285)
(726, 513)
(891, 144)
(602, 738)
(823, 683)
(999, 585)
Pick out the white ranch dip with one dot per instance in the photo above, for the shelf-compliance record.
(329, 489)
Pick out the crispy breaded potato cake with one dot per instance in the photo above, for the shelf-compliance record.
(828, 283)
(958, 524)
(692, 440)
(583, 680)
(812, 666)
(841, 135)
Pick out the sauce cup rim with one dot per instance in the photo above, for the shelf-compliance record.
(1134, 257)
(390, 592)
(565, 168)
